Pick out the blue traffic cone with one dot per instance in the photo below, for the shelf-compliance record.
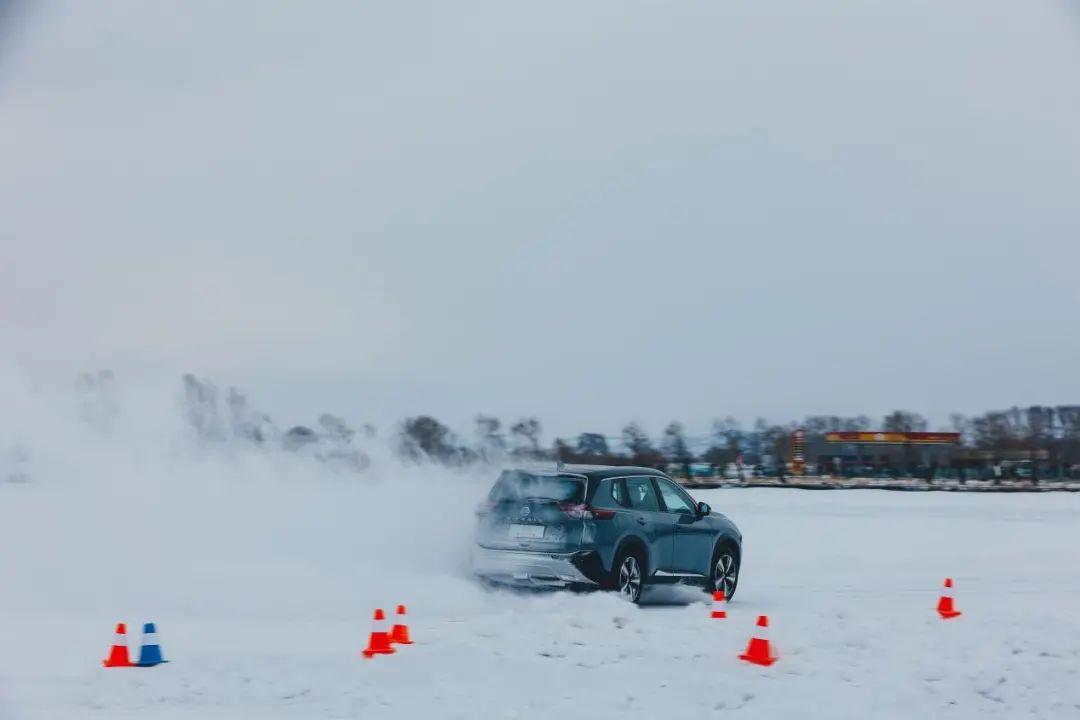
(150, 652)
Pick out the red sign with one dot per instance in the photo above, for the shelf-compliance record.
(895, 438)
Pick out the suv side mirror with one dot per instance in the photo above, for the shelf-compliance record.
(703, 509)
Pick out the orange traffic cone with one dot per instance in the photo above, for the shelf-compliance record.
(718, 612)
(945, 604)
(399, 634)
(379, 642)
(758, 651)
(118, 654)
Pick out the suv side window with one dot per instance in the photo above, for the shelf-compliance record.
(618, 493)
(674, 498)
(642, 495)
(612, 494)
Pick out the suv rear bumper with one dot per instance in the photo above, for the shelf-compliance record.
(538, 569)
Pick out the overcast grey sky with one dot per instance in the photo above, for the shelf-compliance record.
(588, 211)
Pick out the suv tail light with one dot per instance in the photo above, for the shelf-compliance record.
(586, 512)
(484, 508)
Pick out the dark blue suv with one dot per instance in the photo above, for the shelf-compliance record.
(615, 528)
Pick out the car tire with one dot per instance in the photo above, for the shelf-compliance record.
(628, 574)
(724, 571)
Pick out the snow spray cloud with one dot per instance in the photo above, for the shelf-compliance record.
(184, 496)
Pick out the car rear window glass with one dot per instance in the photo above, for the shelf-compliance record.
(519, 485)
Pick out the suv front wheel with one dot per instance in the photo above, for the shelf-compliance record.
(725, 571)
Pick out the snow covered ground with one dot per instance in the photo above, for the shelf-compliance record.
(262, 574)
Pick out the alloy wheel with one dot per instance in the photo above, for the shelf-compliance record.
(725, 574)
(630, 578)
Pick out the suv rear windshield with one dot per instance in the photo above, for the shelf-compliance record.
(517, 485)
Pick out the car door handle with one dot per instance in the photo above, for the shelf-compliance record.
(641, 521)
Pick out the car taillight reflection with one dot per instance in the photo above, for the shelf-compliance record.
(586, 512)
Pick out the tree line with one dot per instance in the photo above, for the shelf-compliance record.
(1047, 433)
(1048, 436)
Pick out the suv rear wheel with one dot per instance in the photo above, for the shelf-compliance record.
(629, 575)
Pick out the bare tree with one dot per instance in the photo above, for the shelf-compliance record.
(491, 443)
(995, 431)
(635, 439)
(961, 424)
(564, 453)
(1068, 430)
(425, 436)
(528, 432)
(675, 448)
(593, 444)
(902, 421)
(1040, 423)
(758, 437)
(673, 444)
(729, 436)
(640, 447)
(779, 443)
(860, 423)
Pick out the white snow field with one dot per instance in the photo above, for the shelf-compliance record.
(263, 608)
(262, 571)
